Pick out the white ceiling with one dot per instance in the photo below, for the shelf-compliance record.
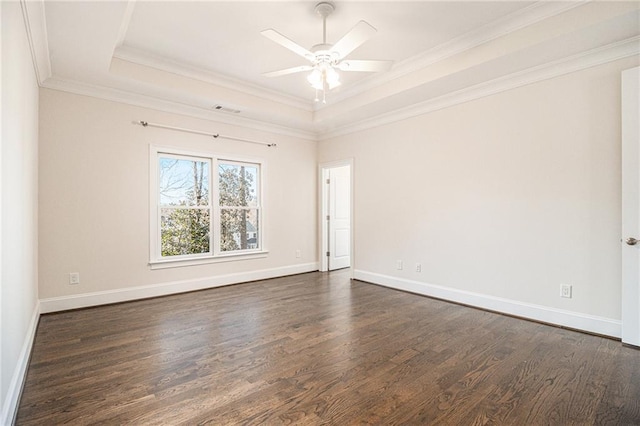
(204, 53)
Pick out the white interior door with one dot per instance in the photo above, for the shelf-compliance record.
(631, 207)
(339, 217)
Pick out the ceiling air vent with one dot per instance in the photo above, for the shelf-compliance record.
(226, 109)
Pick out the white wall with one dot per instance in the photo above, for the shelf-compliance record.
(19, 235)
(500, 199)
(94, 201)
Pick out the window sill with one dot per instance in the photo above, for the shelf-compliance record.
(178, 263)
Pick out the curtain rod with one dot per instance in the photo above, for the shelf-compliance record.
(198, 132)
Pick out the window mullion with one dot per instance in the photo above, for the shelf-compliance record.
(216, 234)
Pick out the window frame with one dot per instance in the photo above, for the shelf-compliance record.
(156, 260)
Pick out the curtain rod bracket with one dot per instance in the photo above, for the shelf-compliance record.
(144, 123)
(216, 136)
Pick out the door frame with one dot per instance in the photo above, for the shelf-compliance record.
(323, 228)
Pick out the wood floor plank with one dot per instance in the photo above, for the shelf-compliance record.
(319, 348)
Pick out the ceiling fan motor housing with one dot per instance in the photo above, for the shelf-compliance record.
(324, 55)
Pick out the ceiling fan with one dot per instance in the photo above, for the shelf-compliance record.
(326, 58)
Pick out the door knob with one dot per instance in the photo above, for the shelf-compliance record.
(632, 241)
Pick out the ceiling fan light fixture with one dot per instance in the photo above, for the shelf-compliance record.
(323, 77)
(332, 77)
(315, 79)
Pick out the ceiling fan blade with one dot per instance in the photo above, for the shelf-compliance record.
(293, 70)
(273, 35)
(362, 32)
(365, 65)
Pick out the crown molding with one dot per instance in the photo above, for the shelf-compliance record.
(612, 52)
(36, 27)
(504, 26)
(139, 57)
(145, 101)
(609, 53)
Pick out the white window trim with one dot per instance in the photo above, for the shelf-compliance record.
(155, 260)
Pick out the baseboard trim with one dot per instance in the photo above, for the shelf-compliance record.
(86, 300)
(575, 320)
(10, 404)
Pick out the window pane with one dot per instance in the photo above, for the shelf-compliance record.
(183, 182)
(184, 231)
(238, 184)
(239, 229)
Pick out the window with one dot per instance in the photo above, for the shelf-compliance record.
(185, 205)
(198, 216)
(239, 211)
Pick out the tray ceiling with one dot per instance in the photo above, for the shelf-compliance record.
(206, 53)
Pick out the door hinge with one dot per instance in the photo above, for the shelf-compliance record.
(328, 181)
(327, 217)
(328, 254)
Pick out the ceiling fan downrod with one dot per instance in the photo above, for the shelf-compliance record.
(324, 9)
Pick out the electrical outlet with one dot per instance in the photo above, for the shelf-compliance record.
(418, 267)
(74, 278)
(399, 265)
(565, 291)
(298, 255)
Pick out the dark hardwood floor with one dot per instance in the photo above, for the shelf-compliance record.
(320, 349)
